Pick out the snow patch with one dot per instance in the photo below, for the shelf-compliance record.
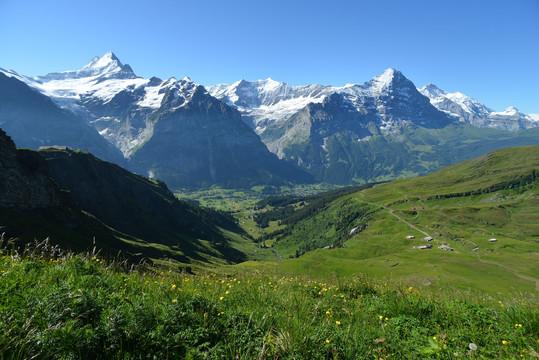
(510, 111)
(152, 98)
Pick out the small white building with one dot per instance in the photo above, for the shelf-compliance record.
(492, 240)
(410, 237)
(428, 238)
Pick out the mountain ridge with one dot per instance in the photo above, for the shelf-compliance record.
(336, 134)
(136, 115)
(275, 98)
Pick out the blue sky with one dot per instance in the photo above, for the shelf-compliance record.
(488, 50)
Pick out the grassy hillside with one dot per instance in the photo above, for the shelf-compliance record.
(116, 210)
(85, 307)
(464, 205)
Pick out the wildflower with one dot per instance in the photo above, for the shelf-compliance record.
(175, 300)
(328, 313)
(386, 319)
(381, 317)
(227, 292)
(221, 298)
(338, 322)
(173, 286)
(505, 342)
(327, 341)
(472, 346)
(410, 289)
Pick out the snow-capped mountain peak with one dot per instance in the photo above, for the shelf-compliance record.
(510, 111)
(106, 67)
(104, 61)
(388, 75)
(443, 100)
(391, 79)
(432, 90)
(472, 111)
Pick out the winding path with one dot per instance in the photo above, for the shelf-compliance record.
(524, 277)
(390, 211)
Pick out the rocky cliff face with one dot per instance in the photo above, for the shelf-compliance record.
(24, 180)
(204, 141)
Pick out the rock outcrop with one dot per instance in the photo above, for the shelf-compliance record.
(24, 180)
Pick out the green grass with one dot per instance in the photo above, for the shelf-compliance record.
(83, 306)
(494, 196)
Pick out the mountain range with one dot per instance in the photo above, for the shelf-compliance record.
(261, 132)
(383, 129)
(265, 102)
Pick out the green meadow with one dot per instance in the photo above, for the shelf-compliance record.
(463, 206)
(67, 306)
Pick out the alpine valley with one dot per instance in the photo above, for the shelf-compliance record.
(101, 259)
(254, 133)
